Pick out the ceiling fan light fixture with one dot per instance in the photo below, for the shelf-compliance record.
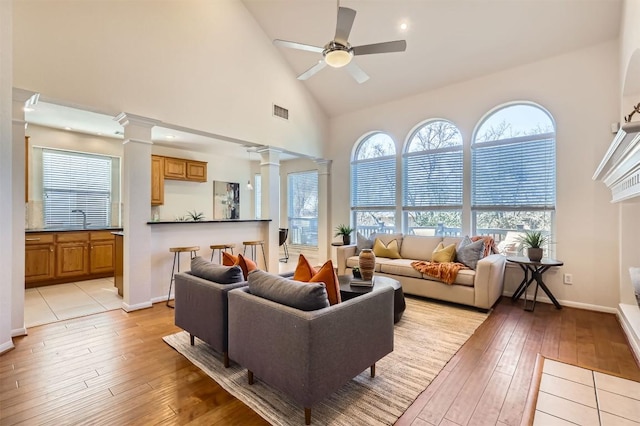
(337, 56)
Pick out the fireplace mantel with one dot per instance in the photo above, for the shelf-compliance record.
(620, 167)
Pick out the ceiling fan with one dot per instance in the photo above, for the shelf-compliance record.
(339, 53)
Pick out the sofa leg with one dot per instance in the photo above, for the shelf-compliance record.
(225, 361)
(250, 376)
(307, 416)
(373, 370)
(192, 339)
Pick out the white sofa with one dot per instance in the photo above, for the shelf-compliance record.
(480, 288)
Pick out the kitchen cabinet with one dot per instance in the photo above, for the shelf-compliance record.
(40, 259)
(102, 252)
(172, 168)
(157, 180)
(59, 257)
(72, 254)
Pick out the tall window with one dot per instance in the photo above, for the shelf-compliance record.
(514, 172)
(303, 208)
(77, 188)
(433, 180)
(373, 185)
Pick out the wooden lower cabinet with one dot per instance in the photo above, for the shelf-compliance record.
(40, 258)
(54, 258)
(72, 259)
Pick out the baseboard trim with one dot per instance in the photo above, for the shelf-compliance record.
(571, 304)
(628, 315)
(136, 307)
(6, 346)
(161, 299)
(19, 332)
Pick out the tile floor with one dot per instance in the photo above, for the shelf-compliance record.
(570, 395)
(43, 305)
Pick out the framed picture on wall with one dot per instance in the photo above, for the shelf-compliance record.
(226, 200)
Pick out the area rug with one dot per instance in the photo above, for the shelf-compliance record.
(426, 338)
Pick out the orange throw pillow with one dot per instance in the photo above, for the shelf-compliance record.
(327, 275)
(247, 265)
(304, 271)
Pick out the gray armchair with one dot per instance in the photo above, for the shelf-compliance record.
(309, 354)
(201, 310)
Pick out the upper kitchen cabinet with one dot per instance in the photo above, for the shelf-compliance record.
(173, 169)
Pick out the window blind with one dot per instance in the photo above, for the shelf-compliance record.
(373, 183)
(433, 178)
(76, 181)
(518, 173)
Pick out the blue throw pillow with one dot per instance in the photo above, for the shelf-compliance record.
(469, 253)
(217, 273)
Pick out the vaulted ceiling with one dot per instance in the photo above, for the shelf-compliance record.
(447, 40)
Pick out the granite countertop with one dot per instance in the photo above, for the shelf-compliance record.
(74, 229)
(165, 222)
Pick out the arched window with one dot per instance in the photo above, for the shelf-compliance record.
(514, 174)
(373, 184)
(433, 180)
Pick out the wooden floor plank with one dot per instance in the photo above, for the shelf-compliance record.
(114, 368)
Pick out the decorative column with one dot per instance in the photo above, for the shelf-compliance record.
(136, 198)
(16, 202)
(324, 208)
(270, 172)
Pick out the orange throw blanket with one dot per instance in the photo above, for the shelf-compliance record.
(445, 271)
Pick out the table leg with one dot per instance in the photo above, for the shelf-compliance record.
(540, 283)
(523, 285)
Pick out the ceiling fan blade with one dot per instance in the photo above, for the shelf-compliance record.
(311, 71)
(356, 72)
(386, 47)
(299, 46)
(345, 22)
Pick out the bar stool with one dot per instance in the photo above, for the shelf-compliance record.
(221, 248)
(176, 259)
(253, 245)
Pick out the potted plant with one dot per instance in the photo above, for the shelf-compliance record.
(533, 242)
(344, 231)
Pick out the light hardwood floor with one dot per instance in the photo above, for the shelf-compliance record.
(114, 368)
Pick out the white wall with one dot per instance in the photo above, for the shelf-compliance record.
(6, 204)
(204, 65)
(580, 90)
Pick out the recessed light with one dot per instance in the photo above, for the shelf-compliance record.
(28, 109)
(170, 137)
(404, 26)
(68, 128)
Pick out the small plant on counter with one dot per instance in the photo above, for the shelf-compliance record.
(195, 216)
(181, 219)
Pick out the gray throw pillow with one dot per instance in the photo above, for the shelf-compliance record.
(296, 294)
(469, 253)
(362, 243)
(217, 273)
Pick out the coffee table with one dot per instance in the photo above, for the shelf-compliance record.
(347, 291)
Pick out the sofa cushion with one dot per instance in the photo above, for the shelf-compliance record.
(469, 252)
(217, 273)
(418, 247)
(296, 294)
(390, 250)
(387, 238)
(362, 243)
(400, 267)
(246, 264)
(444, 254)
(327, 275)
(304, 271)
(451, 240)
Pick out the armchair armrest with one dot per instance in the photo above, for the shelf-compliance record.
(343, 253)
(489, 280)
(308, 355)
(201, 308)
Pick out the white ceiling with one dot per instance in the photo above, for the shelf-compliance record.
(447, 40)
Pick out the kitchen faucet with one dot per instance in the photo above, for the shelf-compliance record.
(84, 217)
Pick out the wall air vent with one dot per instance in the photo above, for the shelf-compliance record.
(278, 111)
